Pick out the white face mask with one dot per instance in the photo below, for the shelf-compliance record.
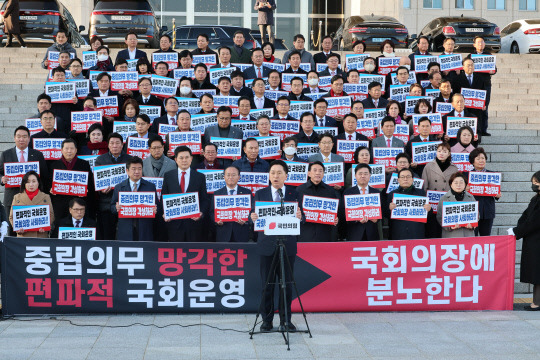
(369, 67)
(102, 57)
(184, 90)
(313, 82)
(390, 54)
(289, 151)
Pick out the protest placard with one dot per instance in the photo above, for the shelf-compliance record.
(297, 108)
(153, 112)
(266, 209)
(346, 148)
(474, 99)
(411, 80)
(254, 181)
(228, 148)
(434, 197)
(355, 61)
(320, 210)
(90, 158)
(399, 92)
(388, 64)
(180, 73)
(15, 171)
(424, 152)
(216, 74)
(163, 86)
(366, 128)
(232, 208)
(369, 78)
(298, 173)
(305, 150)
(393, 184)
(82, 120)
(207, 59)
(284, 128)
(200, 122)
(330, 130)
(325, 83)
(191, 139)
(136, 204)
(82, 87)
(215, 179)
(461, 161)
(485, 183)
(201, 92)
(53, 59)
(304, 66)
(334, 174)
(443, 108)
(338, 106)
(274, 94)
(453, 124)
(158, 183)
(248, 127)
(287, 77)
(410, 103)
(124, 128)
(451, 62)
(34, 125)
(171, 58)
(377, 179)
(274, 66)
(317, 95)
(484, 63)
(181, 206)
(421, 62)
(125, 80)
(31, 218)
(460, 213)
(269, 147)
(256, 113)
(108, 105)
(229, 101)
(49, 147)
(376, 115)
(73, 233)
(359, 207)
(108, 176)
(409, 208)
(164, 129)
(401, 132)
(89, 59)
(434, 93)
(137, 146)
(61, 92)
(386, 156)
(68, 182)
(436, 123)
(357, 92)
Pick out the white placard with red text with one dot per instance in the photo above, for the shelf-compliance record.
(485, 183)
(320, 210)
(181, 206)
(67, 182)
(136, 204)
(231, 208)
(409, 208)
(358, 207)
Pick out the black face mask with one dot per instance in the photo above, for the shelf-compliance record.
(535, 188)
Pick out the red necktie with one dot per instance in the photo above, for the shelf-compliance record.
(183, 182)
(259, 73)
(459, 115)
(389, 143)
(350, 137)
(363, 191)
(425, 140)
(22, 157)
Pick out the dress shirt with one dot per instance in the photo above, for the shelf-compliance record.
(386, 139)
(326, 157)
(145, 99)
(275, 194)
(25, 154)
(363, 189)
(259, 102)
(350, 136)
(314, 90)
(186, 178)
(459, 114)
(106, 93)
(320, 121)
(132, 53)
(171, 119)
(75, 222)
(132, 183)
(235, 189)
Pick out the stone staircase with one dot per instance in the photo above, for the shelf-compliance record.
(514, 123)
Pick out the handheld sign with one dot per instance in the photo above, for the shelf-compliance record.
(180, 73)
(201, 121)
(163, 86)
(132, 64)
(254, 181)
(346, 148)
(50, 148)
(338, 106)
(73, 233)
(409, 208)
(268, 209)
(124, 80)
(282, 225)
(108, 176)
(61, 92)
(334, 174)
(34, 125)
(109, 105)
(136, 205)
(298, 173)
(320, 210)
(228, 148)
(377, 178)
(158, 183)
(366, 128)
(485, 183)
(191, 139)
(305, 150)
(436, 123)
(232, 208)
(421, 62)
(399, 92)
(67, 182)
(82, 87)
(386, 156)
(434, 198)
(369, 78)
(216, 74)
(355, 61)
(31, 218)
(124, 128)
(201, 92)
(170, 58)
(459, 213)
(443, 108)
(357, 92)
(82, 120)
(274, 94)
(181, 206)
(321, 130)
(15, 171)
(269, 147)
(274, 66)
(297, 108)
(248, 127)
(257, 113)
(286, 80)
(484, 63)
(388, 64)
(137, 146)
(401, 132)
(393, 184)
(153, 112)
(360, 207)
(89, 59)
(164, 129)
(411, 80)
(376, 115)
(284, 128)
(193, 106)
(242, 67)
(208, 59)
(434, 93)
(318, 95)
(474, 99)
(411, 101)
(229, 101)
(303, 66)
(451, 62)
(53, 58)
(215, 179)
(453, 124)
(461, 161)
(325, 83)
(424, 152)
(91, 160)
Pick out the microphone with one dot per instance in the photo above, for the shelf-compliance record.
(280, 193)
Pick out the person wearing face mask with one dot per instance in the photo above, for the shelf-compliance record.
(369, 66)
(313, 82)
(465, 137)
(184, 88)
(458, 192)
(528, 229)
(104, 62)
(61, 44)
(288, 152)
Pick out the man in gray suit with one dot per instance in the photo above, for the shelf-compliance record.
(223, 129)
(157, 164)
(387, 139)
(21, 153)
(326, 143)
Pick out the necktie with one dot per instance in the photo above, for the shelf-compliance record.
(376, 102)
(21, 159)
(183, 182)
(458, 115)
(259, 74)
(134, 187)
(425, 140)
(78, 223)
(321, 122)
(333, 73)
(470, 80)
(389, 143)
(276, 197)
(363, 191)
(350, 137)
(173, 121)
(146, 101)
(326, 159)
(231, 192)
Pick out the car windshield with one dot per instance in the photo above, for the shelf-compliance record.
(123, 5)
(533, 22)
(38, 5)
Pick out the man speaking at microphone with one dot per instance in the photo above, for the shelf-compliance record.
(267, 245)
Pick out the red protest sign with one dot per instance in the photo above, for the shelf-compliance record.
(320, 210)
(485, 183)
(359, 207)
(67, 182)
(229, 208)
(138, 204)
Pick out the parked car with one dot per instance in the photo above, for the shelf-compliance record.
(220, 35)
(463, 29)
(373, 30)
(40, 20)
(113, 19)
(521, 37)
(279, 44)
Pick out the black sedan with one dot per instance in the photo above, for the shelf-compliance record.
(219, 35)
(40, 20)
(463, 30)
(373, 30)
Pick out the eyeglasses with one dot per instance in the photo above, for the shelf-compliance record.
(405, 177)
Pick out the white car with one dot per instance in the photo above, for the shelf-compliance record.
(521, 37)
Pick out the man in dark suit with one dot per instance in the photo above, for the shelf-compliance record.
(104, 85)
(313, 232)
(424, 129)
(423, 46)
(224, 54)
(223, 128)
(165, 43)
(131, 40)
(445, 95)
(288, 147)
(237, 231)
(134, 229)
(77, 217)
(362, 230)
(458, 103)
(321, 119)
(306, 134)
(295, 60)
(259, 101)
(267, 245)
(321, 57)
(313, 82)
(283, 105)
(257, 70)
(332, 68)
(238, 85)
(202, 46)
(169, 118)
(297, 86)
(186, 180)
(349, 127)
(47, 122)
(145, 98)
(20, 153)
(374, 99)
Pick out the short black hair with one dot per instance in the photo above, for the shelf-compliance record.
(143, 79)
(162, 63)
(404, 155)
(44, 96)
(185, 53)
(58, 69)
(424, 37)
(388, 119)
(114, 135)
(75, 60)
(231, 166)
(144, 117)
(25, 180)
(133, 160)
(102, 75)
(131, 32)
(224, 108)
(362, 166)
(153, 139)
(204, 36)
(475, 153)
(316, 163)
(280, 163)
(223, 48)
(297, 78)
(405, 169)
(306, 114)
(200, 65)
(165, 35)
(120, 61)
(210, 144)
(46, 112)
(299, 36)
(283, 98)
(374, 84)
(243, 98)
(68, 141)
(23, 128)
(289, 139)
(295, 52)
(182, 148)
(424, 118)
(103, 47)
(402, 68)
(91, 98)
(318, 101)
(357, 153)
(76, 200)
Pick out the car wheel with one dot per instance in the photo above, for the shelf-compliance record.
(514, 49)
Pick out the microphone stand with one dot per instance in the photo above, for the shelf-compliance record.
(280, 253)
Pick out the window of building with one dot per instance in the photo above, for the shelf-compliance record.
(432, 4)
(465, 4)
(496, 4)
(406, 4)
(527, 5)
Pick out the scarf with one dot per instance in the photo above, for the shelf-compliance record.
(333, 94)
(408, 190)
(132, 119)
(101, 147)
(462, 144)
(270, 60)
(398, 120)
(443, 165)
(31, 195)
(459, 196)
(103, 65)
(69, 164)
(157, 164)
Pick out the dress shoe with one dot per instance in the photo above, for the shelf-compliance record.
(290, 327)
(486, 134)
(530, 308)
(266, 326)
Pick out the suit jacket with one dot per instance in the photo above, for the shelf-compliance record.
(268, 104)
(213, 131)
(289, 117)
(107, 159)
(124, 54)
(408, 149)
(289, 70)
(259, 166)
(303, 138)
(152, 101)
(355, 229)
(219, 66)
(10, 155)
(466, 113)
(320, 57)
(125, 227)
(403, 229)
(368, 103)
(245, 91)
(312, 232)
(148, 170)
(243, 58)
(208, 51)
(308, 90)
(478, 83)
(41, 198)
(326, 72)
(358, 136)
(266, 245)
(250, 72)
(380, 141)
(164, 119)
(302, 97)
(328, 121)
(68, 222)
(231, 231)
(411, 57)
(485, 76)
(319, 157)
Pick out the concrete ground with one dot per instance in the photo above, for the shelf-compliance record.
(422, 335)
